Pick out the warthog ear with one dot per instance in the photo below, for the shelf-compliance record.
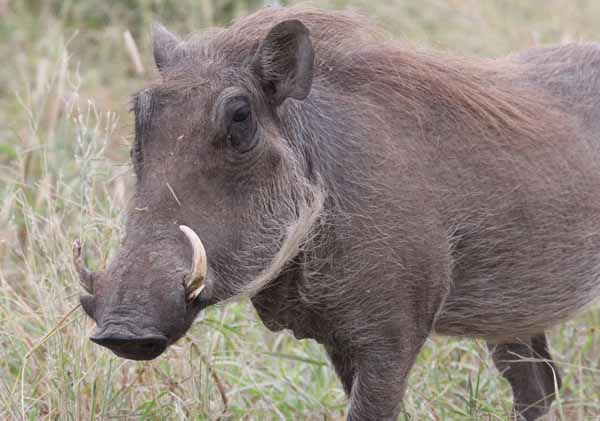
(163, 45)
(284, 62)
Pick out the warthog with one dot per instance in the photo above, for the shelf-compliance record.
(363, 194)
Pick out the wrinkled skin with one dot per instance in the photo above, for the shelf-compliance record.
(363, 195)
(205, 167)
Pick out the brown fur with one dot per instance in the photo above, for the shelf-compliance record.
(410, 193)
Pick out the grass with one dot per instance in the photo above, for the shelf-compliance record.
(64, 131)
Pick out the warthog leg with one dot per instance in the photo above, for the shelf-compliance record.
(534, 378)
(344, 367)
(376, 380)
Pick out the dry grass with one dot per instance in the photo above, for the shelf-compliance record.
(64, 129)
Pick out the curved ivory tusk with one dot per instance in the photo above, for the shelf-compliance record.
(86, 278)
(195, 282)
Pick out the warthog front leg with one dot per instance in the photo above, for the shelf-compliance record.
(528, 367)
(379, 381)
(344, 367)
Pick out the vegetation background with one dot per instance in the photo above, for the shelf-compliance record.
(69, 69)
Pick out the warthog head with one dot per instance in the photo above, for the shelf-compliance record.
(224, 198)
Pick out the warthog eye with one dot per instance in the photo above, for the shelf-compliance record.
(241, 133)
(241, 114)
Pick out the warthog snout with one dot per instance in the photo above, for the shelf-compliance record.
(131, 346)
(145, 300)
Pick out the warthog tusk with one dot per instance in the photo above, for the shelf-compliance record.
(86, 277)
(195, 282)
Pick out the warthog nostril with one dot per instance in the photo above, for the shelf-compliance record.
(133, 347)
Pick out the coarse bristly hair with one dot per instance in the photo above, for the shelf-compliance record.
(486, 108)
(415, 193)
(439, 103)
